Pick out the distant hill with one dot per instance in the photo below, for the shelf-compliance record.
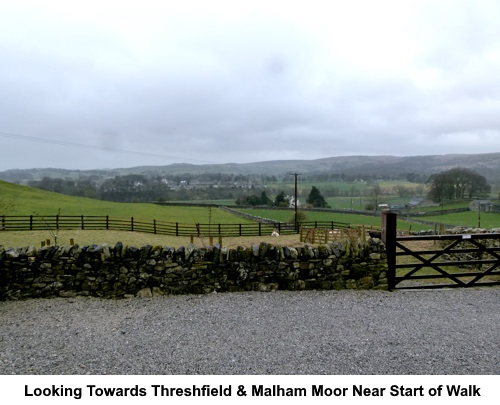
(487, 165)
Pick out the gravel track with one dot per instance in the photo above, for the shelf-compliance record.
(311, 332)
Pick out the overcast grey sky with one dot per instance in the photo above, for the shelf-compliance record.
(83, 82)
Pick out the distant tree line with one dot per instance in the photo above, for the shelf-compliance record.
(258, 200)
(362, 176)
(139, 188)
(314, 199)
(255, 190)
(246, 190)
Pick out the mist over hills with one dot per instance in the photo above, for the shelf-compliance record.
(487, 165)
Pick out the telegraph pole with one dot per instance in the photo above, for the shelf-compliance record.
(295, 201)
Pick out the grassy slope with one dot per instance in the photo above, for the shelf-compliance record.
(30, 200)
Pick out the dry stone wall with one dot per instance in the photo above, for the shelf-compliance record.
(125, 271)
(460, 258)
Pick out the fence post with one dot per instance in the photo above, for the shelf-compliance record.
(57, 221)
(107, 222)
(239, 228)
(389, 233)
(154, 226)
(83, 223)
(31, 222)
(176, 229)
(132, 224)
(260, 229)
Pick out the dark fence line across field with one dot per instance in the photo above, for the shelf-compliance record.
(105, 222)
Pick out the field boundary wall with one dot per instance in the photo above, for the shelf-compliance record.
(125, 271)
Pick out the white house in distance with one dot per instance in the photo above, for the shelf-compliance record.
(291, 201)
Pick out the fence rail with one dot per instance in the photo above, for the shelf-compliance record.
(105, 222)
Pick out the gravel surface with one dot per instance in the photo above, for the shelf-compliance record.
(312, 332)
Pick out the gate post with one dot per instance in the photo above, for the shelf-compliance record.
(389, 227)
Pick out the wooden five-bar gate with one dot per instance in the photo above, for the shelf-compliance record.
(438, 261)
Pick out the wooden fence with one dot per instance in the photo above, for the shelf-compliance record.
(105, 222)
(324, 235)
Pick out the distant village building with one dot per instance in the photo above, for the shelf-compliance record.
(415, 202)
(484, 205)
(398, 207)
(197, 183)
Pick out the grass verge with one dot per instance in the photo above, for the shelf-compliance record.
(137, 239)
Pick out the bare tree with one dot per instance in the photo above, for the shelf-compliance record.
(7, 204)
(50, 228)
(374, 194)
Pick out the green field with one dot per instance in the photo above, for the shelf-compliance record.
(30, 200)
(213, 202)
(352, 219)
(359, 203)
(468, 218)
(453, 205)
(345, 186)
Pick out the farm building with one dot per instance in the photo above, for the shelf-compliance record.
(398, 207)
(485, 205)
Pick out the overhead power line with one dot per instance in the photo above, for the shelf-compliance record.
(95, 147)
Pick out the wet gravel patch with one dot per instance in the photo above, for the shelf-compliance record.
(455, 331)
